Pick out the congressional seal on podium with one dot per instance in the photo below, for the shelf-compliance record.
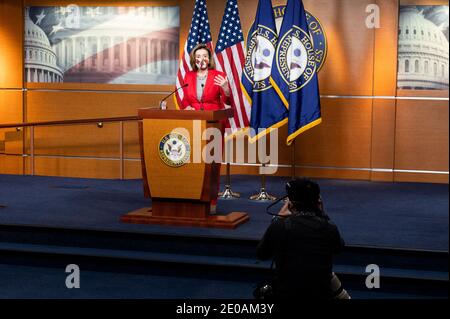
(174, 150)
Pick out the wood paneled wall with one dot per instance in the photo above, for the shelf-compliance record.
(11, 83)
(367, 132)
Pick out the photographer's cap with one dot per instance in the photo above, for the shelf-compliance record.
(303, 190)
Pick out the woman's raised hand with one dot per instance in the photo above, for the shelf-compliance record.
(223, 83)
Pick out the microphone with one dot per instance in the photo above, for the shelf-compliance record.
(176, 90)
(201, 100)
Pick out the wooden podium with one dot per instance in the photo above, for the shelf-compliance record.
(179, 182)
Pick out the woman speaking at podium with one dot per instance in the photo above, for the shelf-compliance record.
(207, 89)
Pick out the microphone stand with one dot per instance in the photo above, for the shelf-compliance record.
(175, 91)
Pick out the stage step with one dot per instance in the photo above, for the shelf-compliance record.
(404, 272)
(396, 282)
(207, 261)
(143, 256)
(432, 261)
(32, 282)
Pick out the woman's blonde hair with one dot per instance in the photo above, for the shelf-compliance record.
(200, 46)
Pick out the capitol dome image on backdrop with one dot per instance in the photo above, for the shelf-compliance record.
(423, 48)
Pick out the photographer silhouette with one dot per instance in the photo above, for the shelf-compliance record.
(302, 240)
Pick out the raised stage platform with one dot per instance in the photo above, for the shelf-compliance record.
(47, 223)
(396, 215)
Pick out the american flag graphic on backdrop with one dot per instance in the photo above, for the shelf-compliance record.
(229, 57)
(200, 32)
(121, 45)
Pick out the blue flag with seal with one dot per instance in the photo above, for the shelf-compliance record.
(294, 73)
(267, 112)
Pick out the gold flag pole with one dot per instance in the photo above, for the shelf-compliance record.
(228, 192)
(263, 195)
(293, 159)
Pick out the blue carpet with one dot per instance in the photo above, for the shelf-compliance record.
(398, 215)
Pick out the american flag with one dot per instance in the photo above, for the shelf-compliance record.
(229, 57)
(198, 33)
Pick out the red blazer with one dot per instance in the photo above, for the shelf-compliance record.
(213, 95)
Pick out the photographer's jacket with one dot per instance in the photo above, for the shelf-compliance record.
(302, 246)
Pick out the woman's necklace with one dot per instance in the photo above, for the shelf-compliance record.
(202, 77)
